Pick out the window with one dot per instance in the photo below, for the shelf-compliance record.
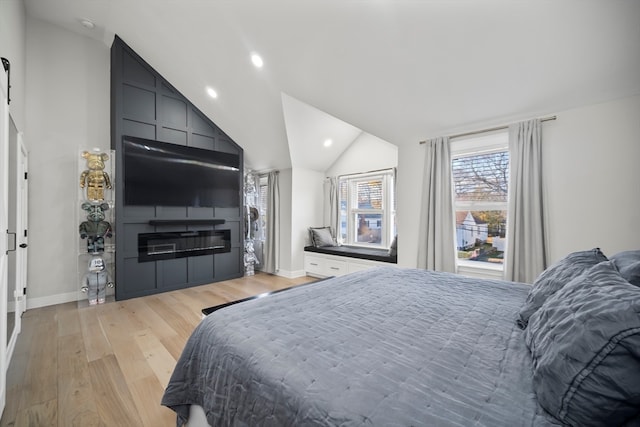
(367, 209)
(262, 208)
(480, 170)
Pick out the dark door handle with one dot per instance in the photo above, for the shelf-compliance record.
(23, 245)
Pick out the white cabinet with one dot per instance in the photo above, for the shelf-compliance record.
(324, 265)
(314, 265)
(335, 267)
(363, 264)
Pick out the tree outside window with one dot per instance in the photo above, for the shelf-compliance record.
(481, 175)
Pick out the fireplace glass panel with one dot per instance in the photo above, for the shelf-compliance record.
(170, 245)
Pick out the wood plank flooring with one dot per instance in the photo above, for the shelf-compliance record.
(108, 365)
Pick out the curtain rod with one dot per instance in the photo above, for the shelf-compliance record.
(475, 132)
(364, 173)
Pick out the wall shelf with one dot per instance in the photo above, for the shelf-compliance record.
(186, 221)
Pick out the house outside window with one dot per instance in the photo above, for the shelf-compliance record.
(367, 209)
(480, 170)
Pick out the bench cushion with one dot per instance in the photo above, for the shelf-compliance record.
(381, 255)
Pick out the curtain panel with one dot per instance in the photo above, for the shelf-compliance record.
(436, 248)
(272, 242)
(332, 200)
(526, 248)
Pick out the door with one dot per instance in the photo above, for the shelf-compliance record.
(17, 260)
(4, 209)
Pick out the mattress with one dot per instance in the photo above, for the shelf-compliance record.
(381, 347)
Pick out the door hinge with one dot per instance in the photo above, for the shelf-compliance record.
(7, 67)
(25, 175)
(25, 233)
(24, 291)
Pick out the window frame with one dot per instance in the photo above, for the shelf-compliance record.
(387, 211)
(476, 145)
(262, 184)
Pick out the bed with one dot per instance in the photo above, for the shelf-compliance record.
(393, 347)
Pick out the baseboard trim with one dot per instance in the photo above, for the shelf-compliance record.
(53, 300)
(291, 274)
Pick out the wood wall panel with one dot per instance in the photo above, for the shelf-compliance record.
(145, 105)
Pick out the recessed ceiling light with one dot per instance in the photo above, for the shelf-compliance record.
(87, 23)
(328, 142)
(212, 92)
(257, 60)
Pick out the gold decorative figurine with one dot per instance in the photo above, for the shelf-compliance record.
(95, 178)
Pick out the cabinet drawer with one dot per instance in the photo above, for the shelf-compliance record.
(360, 265)
(335, 268)
(314, 265)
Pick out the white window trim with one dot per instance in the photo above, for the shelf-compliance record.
(387, 211)
(491, 142)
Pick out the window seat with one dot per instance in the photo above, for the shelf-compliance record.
(381, 255)
(339, 260)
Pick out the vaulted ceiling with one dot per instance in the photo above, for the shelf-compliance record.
(402, 70)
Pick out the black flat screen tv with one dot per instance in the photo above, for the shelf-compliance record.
(162, 174)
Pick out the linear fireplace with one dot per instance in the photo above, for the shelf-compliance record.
(169, 245)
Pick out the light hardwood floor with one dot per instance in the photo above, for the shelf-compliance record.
(107, 365)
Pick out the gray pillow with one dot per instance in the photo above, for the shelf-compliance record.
(585, 347)
(628, 264)
(321, 237)
(554, 278)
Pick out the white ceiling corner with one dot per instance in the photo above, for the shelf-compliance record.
(402, 70)
(307, 128)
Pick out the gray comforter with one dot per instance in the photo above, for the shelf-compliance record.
(383, 347)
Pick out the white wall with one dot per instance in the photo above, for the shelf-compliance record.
(67, 109)
(306, 204)
(12, 47)
(307, 211)
(366, 153)
(592, 178)
(285, 184)
(592, 184)
(408, 196)
(590, 164)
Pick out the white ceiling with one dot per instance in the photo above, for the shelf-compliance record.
(402, 70)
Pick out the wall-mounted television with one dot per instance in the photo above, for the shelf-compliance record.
(163, 174)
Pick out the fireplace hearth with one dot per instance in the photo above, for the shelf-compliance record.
(180, 244)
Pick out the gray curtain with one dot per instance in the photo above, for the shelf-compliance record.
(526, 252)
(436, 248)
(334, 207)
(272, 243)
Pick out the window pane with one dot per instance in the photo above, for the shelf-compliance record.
(369, 228)
(482, 177)
(480, 235)
(369, 194)
(262, 208)
(343, 210)
(367, 209)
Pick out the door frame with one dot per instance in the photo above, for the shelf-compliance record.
(4, 223)
(18, 262)
(22, 215)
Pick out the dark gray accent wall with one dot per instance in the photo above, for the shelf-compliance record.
(145, 105)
